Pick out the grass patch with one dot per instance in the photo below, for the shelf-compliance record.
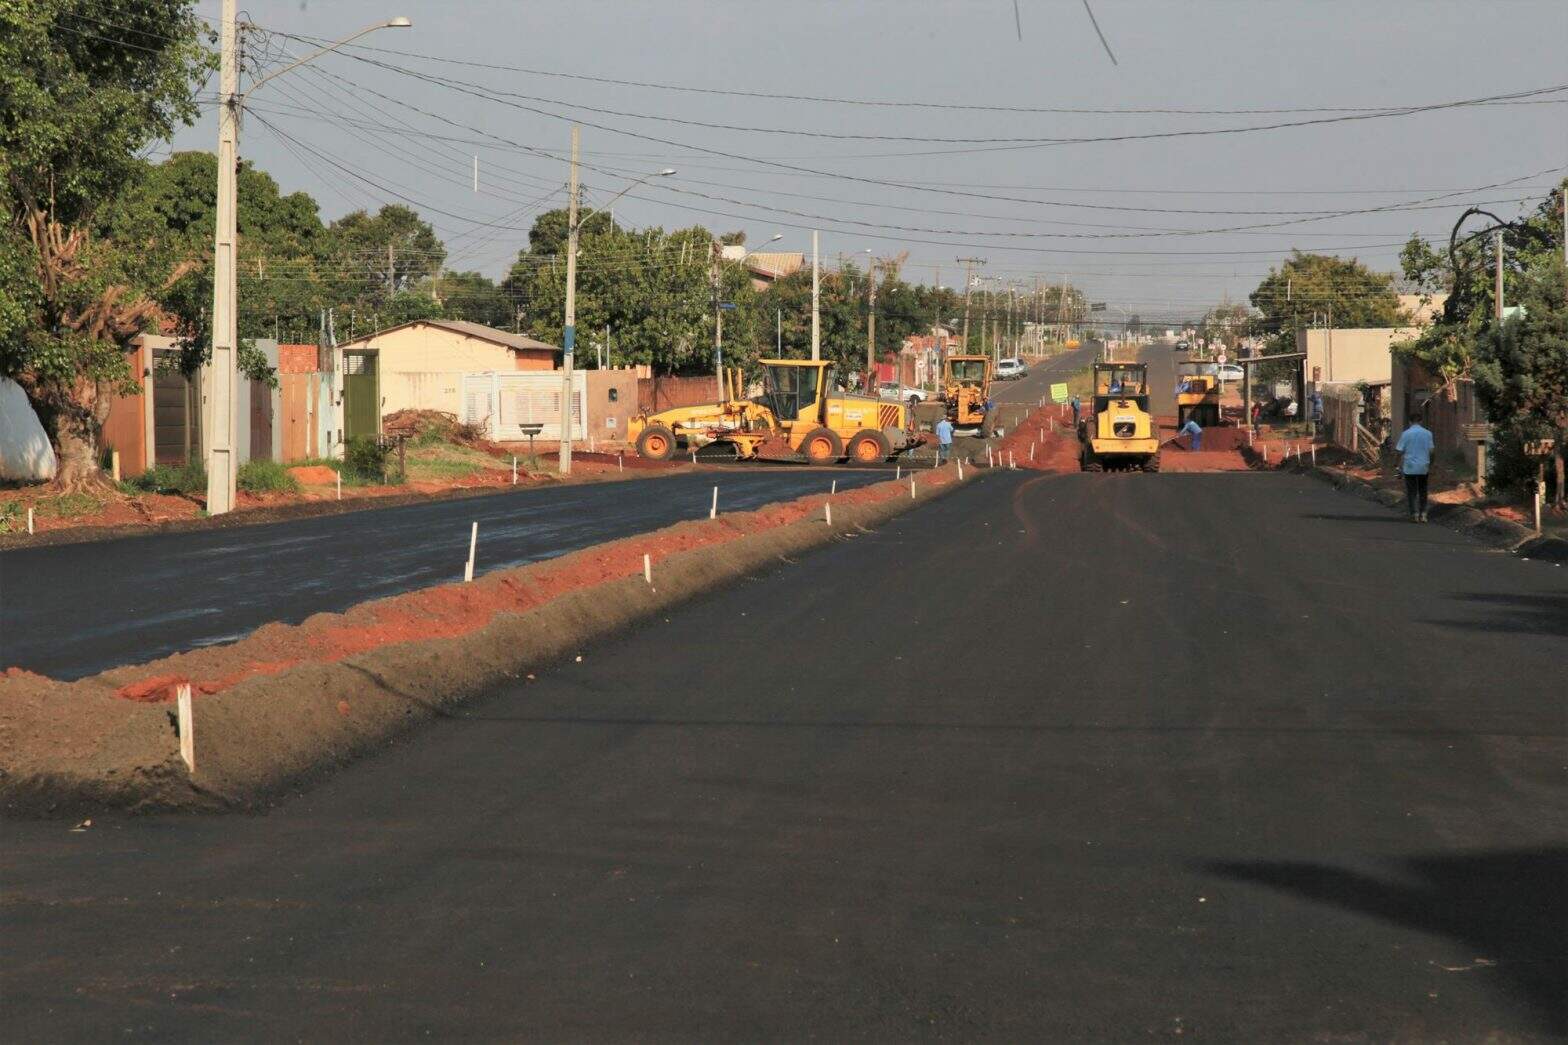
(1081, 383)
(448, 462)
(265, 477)
(190, 479)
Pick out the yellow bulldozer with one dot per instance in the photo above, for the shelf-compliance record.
(966, 385)
(798, 412)
(1197, 393)
(1119, 433)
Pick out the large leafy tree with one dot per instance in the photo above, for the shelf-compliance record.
(77, 103)
(378, 256)
(1519, 365)
(474, 297)
(1343, 292)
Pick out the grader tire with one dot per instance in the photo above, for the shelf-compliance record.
(657, 443)
(1091, 463)
(822, 446)
(869, 447)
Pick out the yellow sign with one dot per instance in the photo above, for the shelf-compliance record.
(1059, 393)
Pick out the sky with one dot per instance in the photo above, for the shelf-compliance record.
(1113, 217)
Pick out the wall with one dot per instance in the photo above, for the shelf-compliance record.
(606, 419)
(422, 367)
(536, 358)
(1413, 387)
(126, 428)
(1348, 355)
(664, 393)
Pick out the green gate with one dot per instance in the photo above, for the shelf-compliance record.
(361, 394)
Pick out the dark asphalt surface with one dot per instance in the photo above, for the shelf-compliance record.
(1237, 758)
(68, 611)
(1037, 383)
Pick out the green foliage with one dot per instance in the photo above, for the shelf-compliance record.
(266, 477)
(364, 459)
(1347, 292)
(189, 480)
(474, 297)
(361, 244)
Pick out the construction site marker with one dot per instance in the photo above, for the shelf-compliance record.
(827, 512)
(647, 567)
(911, 488)
(29, 522)
(834, 488)
(960, 470)
(713, 512)
(473, 545)
(514, 469)
(187, 723)
(340, 485)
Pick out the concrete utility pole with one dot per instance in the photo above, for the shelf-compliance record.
(569, 330)
(816, 301)
(969, 279)
(220, 377)
(391, 270)
(718, 322)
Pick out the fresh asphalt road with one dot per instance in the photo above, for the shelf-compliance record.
(68, 611)
(1231, 757)
(1037, 383)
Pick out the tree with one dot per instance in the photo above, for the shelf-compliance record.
(78, 106)
(379, 256)
(1343, 292)
(1520, 364)
(474, 297)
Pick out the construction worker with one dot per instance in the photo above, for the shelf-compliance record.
(1194, 433)
(944, 440)
(1077, 406)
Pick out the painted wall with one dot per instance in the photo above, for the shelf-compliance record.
(1348, 355)
(612, 400)
(422, 367)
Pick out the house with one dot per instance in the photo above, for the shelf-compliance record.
(420, 366)
(765, 267)
(1351, 355)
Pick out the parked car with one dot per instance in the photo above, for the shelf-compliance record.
(1231, 372)
(1010, 369)
(903, 393)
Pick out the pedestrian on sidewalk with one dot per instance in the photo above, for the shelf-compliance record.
(1415, 461)
(944, 440)
(1077, 406)
(1194, 433)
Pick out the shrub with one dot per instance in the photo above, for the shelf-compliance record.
(266, 477)
(365, 459)
(163, 478)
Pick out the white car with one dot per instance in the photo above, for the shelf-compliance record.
(1231, 372)
(903, 393)
(1010, 369)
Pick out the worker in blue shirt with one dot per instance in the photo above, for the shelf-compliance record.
(1194, 433)
(944, 440)
(1415, 461)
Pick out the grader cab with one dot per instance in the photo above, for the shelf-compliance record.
(1197, 393)
(966, 385)
(799, 411)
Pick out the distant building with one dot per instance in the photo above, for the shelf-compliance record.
(765, 267)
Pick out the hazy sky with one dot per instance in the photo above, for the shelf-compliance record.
(1172, 54)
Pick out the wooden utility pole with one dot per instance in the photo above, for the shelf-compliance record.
(1497, 280)
(969, 279)
(569, 331)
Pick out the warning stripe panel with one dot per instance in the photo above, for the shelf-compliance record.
(887, 416)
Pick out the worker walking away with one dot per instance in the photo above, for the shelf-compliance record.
(1194, 433)
(944, 441)
(1077, 406)
(1415, 461)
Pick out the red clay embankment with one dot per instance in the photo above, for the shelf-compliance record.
(289, 702)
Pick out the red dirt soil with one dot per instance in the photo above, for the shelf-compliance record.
(459, 609)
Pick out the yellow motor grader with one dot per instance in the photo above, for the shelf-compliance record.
(1197, 393)
(966, 385)
(798, 412)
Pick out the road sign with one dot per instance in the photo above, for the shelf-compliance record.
(1096, 306)
(1059, 393)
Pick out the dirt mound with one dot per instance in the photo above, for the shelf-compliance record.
(314, 475)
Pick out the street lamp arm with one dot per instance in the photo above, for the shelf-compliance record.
(391, 23)
(585, 215)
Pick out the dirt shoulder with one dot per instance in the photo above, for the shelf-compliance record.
(290, 702)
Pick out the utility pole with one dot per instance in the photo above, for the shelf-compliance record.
(871, 325)
(816, 302)
(969, 279)
(391, 271)
(718, 321)
(569, 331)
(220, 376)
(1497, 280)
(778, 346)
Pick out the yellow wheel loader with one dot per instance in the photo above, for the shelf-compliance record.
(1119, 432)
(798, 412)
(966, 385)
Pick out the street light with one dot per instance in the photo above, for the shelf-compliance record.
(220, 379)
(574, 223)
